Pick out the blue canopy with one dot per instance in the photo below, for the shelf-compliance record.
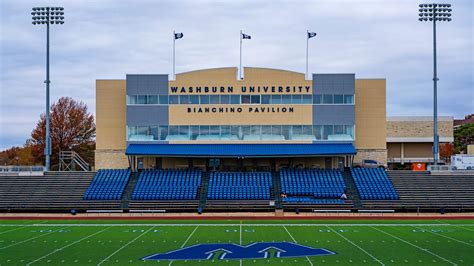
(241, 150)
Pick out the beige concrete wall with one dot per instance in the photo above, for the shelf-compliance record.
(394, 150)
(411, 128)
(111, 124)
(371, 154)
(370, 114)
(110, 159)
(418, 150)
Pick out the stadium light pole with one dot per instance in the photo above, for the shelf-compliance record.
(47, 16)
(433, 13)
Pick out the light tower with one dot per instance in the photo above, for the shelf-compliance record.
(434, 13)
(47, 16)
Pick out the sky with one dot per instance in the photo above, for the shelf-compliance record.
(107, 39)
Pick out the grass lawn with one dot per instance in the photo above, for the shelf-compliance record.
(427, 242)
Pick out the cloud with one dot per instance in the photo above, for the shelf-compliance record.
(107, 39)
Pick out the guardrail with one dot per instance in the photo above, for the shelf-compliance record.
(21, 168)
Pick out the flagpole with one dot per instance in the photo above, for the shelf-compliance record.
(174, 62)
(307, 41)
(240, 65)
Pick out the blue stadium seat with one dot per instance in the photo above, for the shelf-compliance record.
(168, 185)
(108, 184)
(373, 184)
(312, 185)
(239, 186)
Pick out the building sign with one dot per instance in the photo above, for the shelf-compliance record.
(241, 109)
(275, 89)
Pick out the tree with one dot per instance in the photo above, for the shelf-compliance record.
(445, 151)
(17, 156)
(72, 127)
(463, 136)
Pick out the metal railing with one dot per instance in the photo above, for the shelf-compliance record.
(69, 159)
(21, 168)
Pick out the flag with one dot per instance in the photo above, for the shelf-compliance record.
(245, 36)
(178, 35)
(311, 34)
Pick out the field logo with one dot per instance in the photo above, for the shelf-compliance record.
(260, 250)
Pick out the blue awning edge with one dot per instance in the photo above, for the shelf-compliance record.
(241, 150)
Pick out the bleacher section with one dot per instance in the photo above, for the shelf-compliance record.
(167, 190)
(373, 184)
(425, 192)
(167, 185)
(308, 187)
(53, 191)
(239, 190)
(108, 184)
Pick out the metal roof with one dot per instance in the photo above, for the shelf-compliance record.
(241, 150)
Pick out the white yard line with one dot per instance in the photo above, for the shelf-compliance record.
(236, 224)
(20, 227)
(126, 245)
(411, 244)
(64, 247)
(29, 239)
(294, 240)
(186, 241)
(448, 237)
(240, 242)
(357, 246)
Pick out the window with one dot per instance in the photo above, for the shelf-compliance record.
(152, 99)
(285, 130)
(183, 99)
(204, 99)
(308, 130)
(307, 99)
(225, 99)
(276, 99)
(174, 99)
(142, 130)
(203, 130)
(276, 130)
(163, 132)
(225, 131)
(349, 130)
(266, 130)
(266, 99)
(245, 99)
(297, 99)
(286, 99)
(317, 132)
(234, 131)
(154, 132)
(173, 130)
(163, 99)
(327, 130)
(338, 130)
(245, 131)
(327, 99)
(214, 130)
(194, 132)
(214, 99)
(141, 99)
(255, 130)
(255, 99)
(317, 99)
(184, 130)
(235, 99)
(338, 99)
(194, 99)
(131, 99)
(349, 99)
(297, 130)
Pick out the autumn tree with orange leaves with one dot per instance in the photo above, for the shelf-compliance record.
(72, 128)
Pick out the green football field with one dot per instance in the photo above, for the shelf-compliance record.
(417, 242)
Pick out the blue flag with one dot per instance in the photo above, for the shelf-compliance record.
(178, 35)
(311, 34)
(245, 36)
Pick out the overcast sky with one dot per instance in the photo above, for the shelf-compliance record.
(107, 39)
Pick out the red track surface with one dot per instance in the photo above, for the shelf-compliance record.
(402, 217)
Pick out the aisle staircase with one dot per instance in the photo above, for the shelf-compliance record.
(203, 191)
(352, 192)
(127, 195)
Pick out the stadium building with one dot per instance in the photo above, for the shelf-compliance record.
(210, 119)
